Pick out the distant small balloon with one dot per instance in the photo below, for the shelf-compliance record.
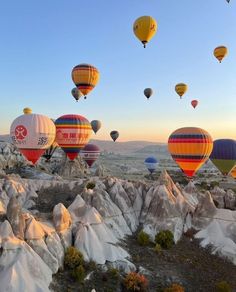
(114, 135)
(90, 154)
(181, 89)
(151, 164)
(96, 125)
(220, 53)
(148, 92)
(194, 103)
(145, 27)
(76, 93)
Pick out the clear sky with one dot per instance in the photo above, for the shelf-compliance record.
(41, 41)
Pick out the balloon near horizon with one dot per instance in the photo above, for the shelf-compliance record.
(32, 134)
(190, 148)
(72, 134)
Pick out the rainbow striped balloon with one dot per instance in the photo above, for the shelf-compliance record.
(73, 133)
(190, 148)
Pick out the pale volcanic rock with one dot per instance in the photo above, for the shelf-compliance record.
(61, 217)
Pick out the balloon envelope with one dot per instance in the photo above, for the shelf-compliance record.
(76, 93)
(190, 148)
(223, 155)
(96, 125)
(181, 89)
(148, 92)
(85, 77)
(90, 153)
(72, 134)
(32, 134)
(220, 52)
(151, 163)
(233, 172)
(145, 27)
(114, 135)
(194, 103)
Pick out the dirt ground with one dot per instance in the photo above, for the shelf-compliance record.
(186, 263)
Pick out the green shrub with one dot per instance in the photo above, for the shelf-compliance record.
(90, 185)
(135, 282)
(73, 258)
(223, 286)
(174, 288)
(158, 248)
(113, 273)
(165, 238)
(143, 238)
(78, 273)
(91, 265)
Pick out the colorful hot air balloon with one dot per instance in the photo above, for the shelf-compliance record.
(90, 154)
(76, 93)
(114, 135)
(85, 77)
(181, 89)
(190, 148)
(194, 103)
(96, 125)
(223, 155)
(148, 92)
(73, 133)
(151, 164)
(233, 172)
(220, 52)
(145, 27)
(32, 134)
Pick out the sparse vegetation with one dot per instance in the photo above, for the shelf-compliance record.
(78, 273)
(113, 273)
(90, 185)
(143, 238)
(158, 248)
(73, 258)
(174, 288)
(135, 282)
(165, 238)
(223, 286)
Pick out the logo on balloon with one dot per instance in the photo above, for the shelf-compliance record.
(20, 132)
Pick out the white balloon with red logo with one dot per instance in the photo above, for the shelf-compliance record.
(32, 134)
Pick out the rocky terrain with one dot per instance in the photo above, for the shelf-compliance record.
(45, 209)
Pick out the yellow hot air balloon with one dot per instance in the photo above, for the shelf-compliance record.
(85, 77)
(233, 172)
(220, 52)
(27, 111)
(145, 28)
(181, 89)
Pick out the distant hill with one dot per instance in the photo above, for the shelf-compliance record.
(130, 147)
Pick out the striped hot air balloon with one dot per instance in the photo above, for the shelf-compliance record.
(32, 134)
(90, 154)
(151, 164)
(73, 133)
(223, 155)
(190, 148)
(85, 77)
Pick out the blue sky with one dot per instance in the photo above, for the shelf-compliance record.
(41, 41)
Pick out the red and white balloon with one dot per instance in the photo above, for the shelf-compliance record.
(90, 154)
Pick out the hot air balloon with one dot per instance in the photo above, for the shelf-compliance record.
(32, 134)
(73, 133)
(76, 93)
(190, 148)
(114, 135)
(181, 89)
(151, 164)
(90, 154)
(96, 125)
(145, 27)
(220, 52)
(148, 92)
(194, 103)
(233, 172)
(49, 151)
(85, 77)
(223, 155)
(228, 1)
